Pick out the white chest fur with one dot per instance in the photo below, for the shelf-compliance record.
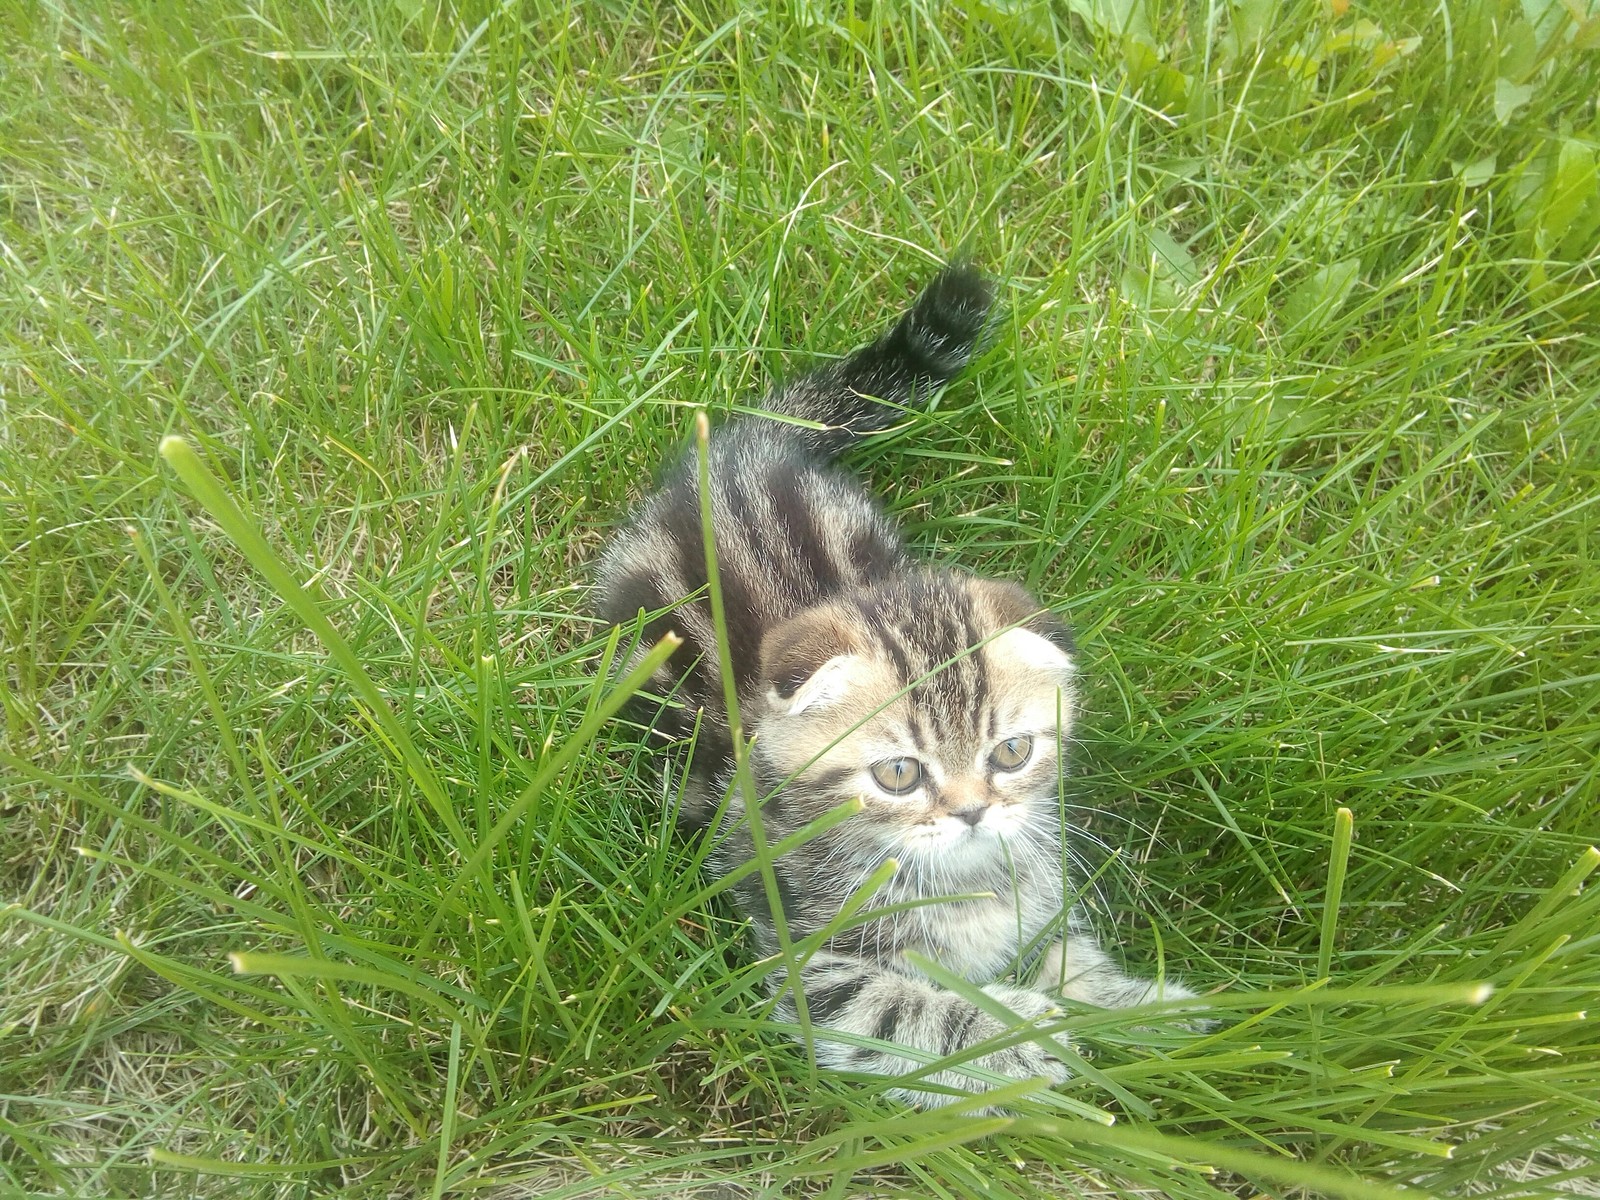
(979, 939)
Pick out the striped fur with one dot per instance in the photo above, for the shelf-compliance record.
(848, 654)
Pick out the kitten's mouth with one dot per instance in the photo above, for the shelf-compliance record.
(972, 837)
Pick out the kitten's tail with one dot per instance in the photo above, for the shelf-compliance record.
(924, 349)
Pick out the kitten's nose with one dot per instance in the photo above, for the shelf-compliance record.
(971, 814)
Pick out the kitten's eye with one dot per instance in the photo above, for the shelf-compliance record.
(1012, 753)
(897, 776)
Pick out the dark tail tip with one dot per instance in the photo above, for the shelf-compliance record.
(947, 323)
(925, 349)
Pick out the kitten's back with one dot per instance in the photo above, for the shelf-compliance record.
(791, 528)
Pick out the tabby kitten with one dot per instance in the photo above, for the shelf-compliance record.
(942, 700)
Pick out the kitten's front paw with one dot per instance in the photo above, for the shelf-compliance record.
(1026, 1060)
(1035, 1058)
(1159, 991)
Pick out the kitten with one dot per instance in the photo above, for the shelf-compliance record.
(941, 699)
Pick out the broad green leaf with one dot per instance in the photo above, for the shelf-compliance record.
(1389, 52)
(1519, 52)
(1543, 16)
(1148, 290)
(1509, 97)
(1171, 259)
(1321, 294)
(1024, 21)
(1477, 172)
(1528, 181)
(1360, 32)
(1248, 24)
(1120, 18)
(1170, 87)
(1161, 279)
(1572, 207)
(1158, 82)
(1304, 61)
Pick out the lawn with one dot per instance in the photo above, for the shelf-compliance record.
(334, 338)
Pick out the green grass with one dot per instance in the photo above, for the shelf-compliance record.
(1295, 416)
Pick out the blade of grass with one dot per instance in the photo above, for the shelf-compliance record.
(308, 606)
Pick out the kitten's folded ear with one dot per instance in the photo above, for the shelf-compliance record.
(1011, 604)
(805, 660)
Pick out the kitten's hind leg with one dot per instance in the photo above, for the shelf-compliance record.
(857, 996)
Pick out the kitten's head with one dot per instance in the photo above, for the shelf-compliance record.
(941, 699)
